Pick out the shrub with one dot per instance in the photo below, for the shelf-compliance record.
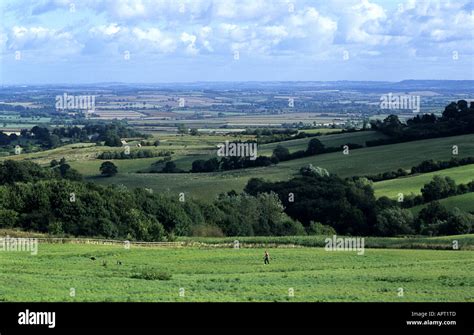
(207, 231)
(311, 171)
(289, 227)
(317, 228)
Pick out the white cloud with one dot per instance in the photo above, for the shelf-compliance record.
(42, 39)
(258, 27)
(190, 42)
(107, 30)
(160, 41)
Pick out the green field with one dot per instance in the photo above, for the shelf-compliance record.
(465, 242)
(320, 130)
(363, 161)
(332, 140)
(413, 184)
(464, 202)
(226, 274)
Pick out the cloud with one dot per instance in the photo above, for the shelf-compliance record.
(155, 38)
(106, 30)
(190, 42)
(43, 39)
(295, 31)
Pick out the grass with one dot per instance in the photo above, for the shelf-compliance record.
(413, 184)
(207, 186)
(151, 274)
(204, 274)
(320, 130)
(465, 242)
(332, 140)
(91, 168)
(464, 202)
(363, 161)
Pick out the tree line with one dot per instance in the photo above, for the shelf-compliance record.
(280, 154)
(424, 167)
(46, 138)
(134, 154)
(40, 199)
(456, 119)
(350, 207)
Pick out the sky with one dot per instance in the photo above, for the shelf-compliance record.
(153, 41)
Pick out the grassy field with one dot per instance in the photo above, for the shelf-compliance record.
(413, 184)
(363, 161)
(320, 130)
(210, 274)
(464, 202)
(465, 242)
(332, 140)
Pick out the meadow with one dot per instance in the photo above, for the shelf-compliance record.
(330, 140)
(464, 202)
(413, 184)
(186, 149)
(365, 161)
(226, 274)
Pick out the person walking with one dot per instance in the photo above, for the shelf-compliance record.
(266, 258)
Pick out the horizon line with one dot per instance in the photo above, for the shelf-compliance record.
(230, 82)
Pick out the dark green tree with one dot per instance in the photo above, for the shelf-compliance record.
(108, 169)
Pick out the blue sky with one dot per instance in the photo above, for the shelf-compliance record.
(152, 41)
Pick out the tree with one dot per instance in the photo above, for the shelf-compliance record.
(198, 165)
(53, 141)
(317, 228)
(458, 222)
(112, 140)
(392, 126)
(394, 221)
(211, 165)
(108, 169)
(169, 167)
(194, 132)
(4, 139)
(281, 153)
(314, 147)
(311, 171)
(451, 111)
(8, 218)
(63, 168)
(438, 188)
(430, 217)
(182, 129)
(346, 206)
